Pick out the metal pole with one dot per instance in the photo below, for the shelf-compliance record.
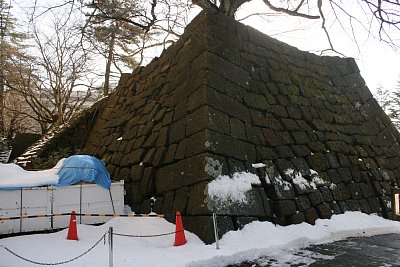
(110, 247)
(80, 204)
(215, 230)
(51, 207)
(20, 214)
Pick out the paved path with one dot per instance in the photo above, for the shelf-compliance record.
(380, 250)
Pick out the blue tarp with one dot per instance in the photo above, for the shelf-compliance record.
(67, 172)
(83, 168)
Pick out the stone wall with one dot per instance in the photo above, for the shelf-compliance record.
(225, 97)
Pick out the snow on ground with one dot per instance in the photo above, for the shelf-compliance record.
(255, 240)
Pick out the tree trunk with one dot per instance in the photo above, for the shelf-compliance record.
(2, 78)
(107, 74)
(2, 86)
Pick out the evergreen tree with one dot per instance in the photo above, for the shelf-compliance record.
(383, 97)
(394, 110)
(11, 52)
(115, 39)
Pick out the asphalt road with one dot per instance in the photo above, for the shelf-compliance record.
(379, 250)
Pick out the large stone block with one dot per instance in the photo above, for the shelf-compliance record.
(302, 203)
(315, 198)
(204, 167)
(311, 215)
(251, 205)
(284, 208)
(198, 199)
(324, 211)
(181, 200)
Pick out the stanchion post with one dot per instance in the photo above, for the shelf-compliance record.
(152, 202)
(110, 247)
(215, 230)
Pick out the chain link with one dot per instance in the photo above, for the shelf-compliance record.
(126, 235)
(56, 263)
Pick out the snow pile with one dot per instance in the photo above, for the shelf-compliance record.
(261, 239)
(232, 189)
(12, 175)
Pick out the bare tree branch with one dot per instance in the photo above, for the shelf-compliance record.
(290, 12)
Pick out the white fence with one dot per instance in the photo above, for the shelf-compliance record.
(83, 198)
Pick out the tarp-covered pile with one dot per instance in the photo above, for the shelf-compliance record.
(68, 171)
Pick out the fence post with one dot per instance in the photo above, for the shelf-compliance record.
(110, 247)
(215, 230)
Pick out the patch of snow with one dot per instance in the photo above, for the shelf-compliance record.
(232, 189)
(282, 183)
(258, 165)
(267, 179)
(299, 180)
(316, 179)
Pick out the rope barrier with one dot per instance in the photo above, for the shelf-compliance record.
(157, 235)
(81, 214)
(121, 215)
(56, 263)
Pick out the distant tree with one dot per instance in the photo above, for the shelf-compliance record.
(383, 96)
(15, 115)
(394, 109)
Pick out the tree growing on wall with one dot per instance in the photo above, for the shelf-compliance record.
(383, 15)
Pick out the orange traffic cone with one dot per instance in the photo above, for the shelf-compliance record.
(180, 238)
(72, 231)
